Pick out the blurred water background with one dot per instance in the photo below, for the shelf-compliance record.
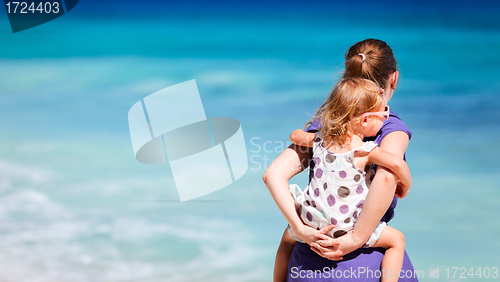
(76, 206)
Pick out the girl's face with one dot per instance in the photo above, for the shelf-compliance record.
(373, 121)
(373, 126)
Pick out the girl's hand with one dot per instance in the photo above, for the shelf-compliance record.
(401, 191)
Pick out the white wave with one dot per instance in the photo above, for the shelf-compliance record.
(43, 239)
(10, 172)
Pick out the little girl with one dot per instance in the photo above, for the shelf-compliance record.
(337, 190)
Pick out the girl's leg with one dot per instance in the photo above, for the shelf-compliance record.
(393, 241)
(282, 256)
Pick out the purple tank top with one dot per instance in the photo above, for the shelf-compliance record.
(362, 264)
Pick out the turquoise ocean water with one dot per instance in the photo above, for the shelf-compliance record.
(75, 205)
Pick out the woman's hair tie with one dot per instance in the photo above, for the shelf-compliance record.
(363, 57)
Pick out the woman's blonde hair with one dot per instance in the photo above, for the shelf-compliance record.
(350, 98)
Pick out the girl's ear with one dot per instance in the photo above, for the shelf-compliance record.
(364, 121)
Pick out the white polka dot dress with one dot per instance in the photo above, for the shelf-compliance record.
(336, 192)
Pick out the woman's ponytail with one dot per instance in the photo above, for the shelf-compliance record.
(371, 59)
(354, 66)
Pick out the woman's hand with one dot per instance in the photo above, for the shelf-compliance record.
(325, 246)
(306, 233)
(334, 249)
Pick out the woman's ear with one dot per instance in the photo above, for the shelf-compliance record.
(393, 78)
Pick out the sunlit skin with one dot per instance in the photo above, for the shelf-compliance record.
(364, 125)
(383, 188)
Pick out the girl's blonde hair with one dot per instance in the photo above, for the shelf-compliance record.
(350, 98)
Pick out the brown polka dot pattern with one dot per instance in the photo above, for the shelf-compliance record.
(339, 233)
(330, 158)
(343, 192)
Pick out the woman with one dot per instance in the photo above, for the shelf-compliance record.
(342, 259)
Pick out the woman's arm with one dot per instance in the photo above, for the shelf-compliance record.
(382, 188)
(291, 161)
(302, 138)
(377, 201)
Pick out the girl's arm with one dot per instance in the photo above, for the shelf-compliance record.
(394, 163)
(302, 138)
(290, 162)
(377, 201)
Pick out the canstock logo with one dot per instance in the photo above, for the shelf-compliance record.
(205, 154)
(28, 14)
